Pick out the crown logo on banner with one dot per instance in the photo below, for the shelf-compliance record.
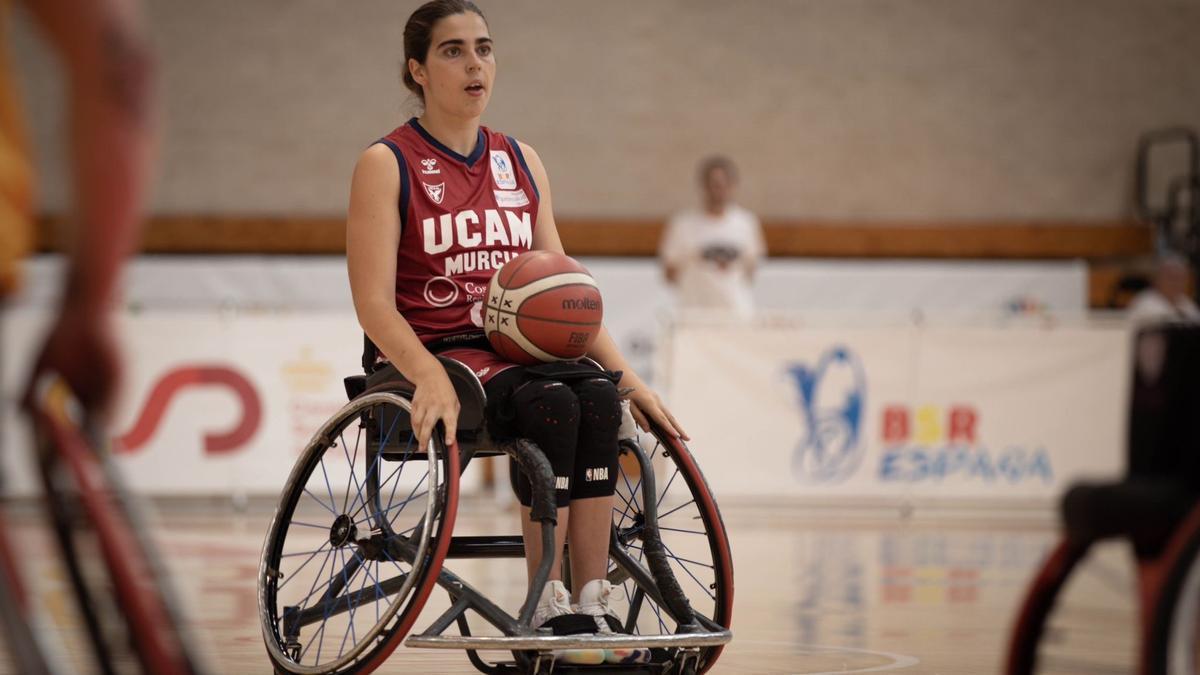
(307, 375)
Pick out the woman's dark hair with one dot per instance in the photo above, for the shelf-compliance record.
(419, 31)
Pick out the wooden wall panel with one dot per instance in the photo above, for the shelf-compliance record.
(598, 237)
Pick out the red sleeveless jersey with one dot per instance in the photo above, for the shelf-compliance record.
(461, 218)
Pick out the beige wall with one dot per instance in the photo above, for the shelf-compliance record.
(836, 109)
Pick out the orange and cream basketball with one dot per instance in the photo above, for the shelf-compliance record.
(542, 306)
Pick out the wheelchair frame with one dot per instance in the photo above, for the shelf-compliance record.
(692, 648)
(1156, 506)
(1158, 654)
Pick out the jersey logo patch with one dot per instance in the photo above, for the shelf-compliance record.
(430, 165)
(511, 198)
(435, 192)
(441, 292)
(502, 171)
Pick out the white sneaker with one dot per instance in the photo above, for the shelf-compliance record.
(556, 602)
(594, 601)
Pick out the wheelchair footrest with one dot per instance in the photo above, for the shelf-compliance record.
(551, 642)
(510, 668)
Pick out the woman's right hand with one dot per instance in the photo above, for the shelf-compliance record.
(434, 399)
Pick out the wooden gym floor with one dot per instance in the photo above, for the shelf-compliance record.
(817, 591)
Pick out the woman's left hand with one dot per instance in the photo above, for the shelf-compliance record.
(646, 404)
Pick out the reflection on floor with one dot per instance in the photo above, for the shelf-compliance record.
(816, 591)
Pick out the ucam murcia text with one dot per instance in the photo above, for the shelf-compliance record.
(505, 228)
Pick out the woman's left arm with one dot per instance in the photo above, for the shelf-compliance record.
(646, 403)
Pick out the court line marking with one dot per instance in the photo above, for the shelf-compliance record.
(899, 661)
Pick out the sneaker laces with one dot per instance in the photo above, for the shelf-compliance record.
(600, 606)
(555, 601)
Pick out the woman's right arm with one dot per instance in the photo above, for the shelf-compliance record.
(372, 239)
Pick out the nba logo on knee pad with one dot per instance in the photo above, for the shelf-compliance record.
(562, 483)
(600, 473)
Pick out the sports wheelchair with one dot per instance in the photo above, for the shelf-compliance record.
(1156, 507)
(366, 521)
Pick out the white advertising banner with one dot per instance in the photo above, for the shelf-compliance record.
(212, 404)
(222, 403)
(232, 363)
(901, 412)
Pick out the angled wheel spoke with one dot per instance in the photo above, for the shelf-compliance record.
(313, 587)
(332, 557)
(703, 586)
(328, 488)
(683, 505)
(300, 553)
(350, 478)
(314, 525)
(409, 498)
(667, 488)
(629, 505)
(317, 639)
(633, 491)
(379, 489)
(685, 560)
(292, 575)
(349, 624)
(401, 505)
(408, 451)
(367, 482)
(318, 500)
(675, 529)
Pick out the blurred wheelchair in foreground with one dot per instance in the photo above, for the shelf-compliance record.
(1156, 507)
(119, 584)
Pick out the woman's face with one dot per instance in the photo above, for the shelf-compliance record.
(718, 186)
(459, 70)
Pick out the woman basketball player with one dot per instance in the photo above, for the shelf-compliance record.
(470, 198)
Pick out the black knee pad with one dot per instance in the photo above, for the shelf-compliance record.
(547, 413)
(596, 455)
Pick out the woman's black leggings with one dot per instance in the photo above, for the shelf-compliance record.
(574, 423)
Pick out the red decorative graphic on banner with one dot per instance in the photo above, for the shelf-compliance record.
(179, 379)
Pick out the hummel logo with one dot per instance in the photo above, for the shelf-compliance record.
(599, 473)
(430, 165)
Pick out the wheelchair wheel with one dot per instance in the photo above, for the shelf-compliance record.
(120, 585)
(1035, 612)
(693, 536)
(357, 541)
(1174, 638)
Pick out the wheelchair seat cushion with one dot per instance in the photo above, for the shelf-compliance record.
(1144, 510)
(471, 398)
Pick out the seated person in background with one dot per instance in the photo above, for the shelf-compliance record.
(1167, 298)
(709, 255)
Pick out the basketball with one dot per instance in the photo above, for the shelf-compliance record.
(542, 306)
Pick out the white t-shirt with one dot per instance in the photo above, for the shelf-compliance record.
(1150, 306)
(713, 256)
